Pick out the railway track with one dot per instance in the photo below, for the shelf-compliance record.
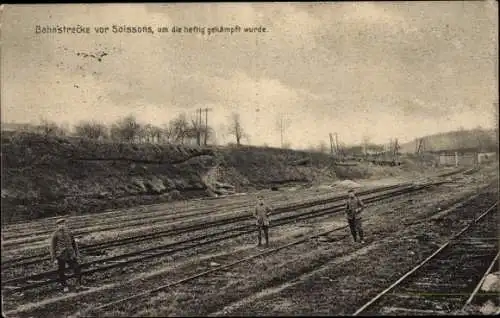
(114, 219)
(151, 208)
(89, 226)
(15, 233)
(161, 216)
(46, 278)
(92, 248)
(156, 212)
(446, 280)
(454, 172)
(96, 247)
(130, 303)
(120, 221)
(19, 230)
(229, 261)
(52, 304)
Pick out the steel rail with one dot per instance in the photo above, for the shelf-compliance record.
(152, 210)
(155, 214)
(32, 259)
(127, 221)
(159, 212)
(122, 213)
(204, 273)
(239, 231)
(425, 261)
(162, 252)
(90, 226)
(478, 286)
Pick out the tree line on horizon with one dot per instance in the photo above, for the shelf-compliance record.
(183, 131)
(180, 130)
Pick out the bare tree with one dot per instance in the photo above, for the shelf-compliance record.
(179, 128)
(142, 134)
(114, 132)
(282, 124)
(91, 130)
(366, 142)
(167, 133)
(236, 129)
(151, 133)
(192, 135)
(145, 133)
(156, 133)
(50, 128)
(126, 129)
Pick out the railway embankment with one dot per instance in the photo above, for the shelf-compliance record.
(48, 176)
(45, 176)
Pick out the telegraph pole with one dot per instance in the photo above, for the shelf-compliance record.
(396, 150)
(198, 125)
(331, 144)
(337, 144)
(419, 149)
(206, 123)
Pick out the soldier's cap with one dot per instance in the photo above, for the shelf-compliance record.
(60, 221)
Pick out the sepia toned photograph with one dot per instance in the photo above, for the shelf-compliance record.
(250, 159)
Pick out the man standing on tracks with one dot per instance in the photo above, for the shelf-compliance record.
(64, 250)
(261, 213)
(353, 208)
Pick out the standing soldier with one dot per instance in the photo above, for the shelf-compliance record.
(353, 208)
(261, 213)
(64, 250)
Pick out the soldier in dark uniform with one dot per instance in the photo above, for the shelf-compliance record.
(354, 206)
(64, 250)
(261, 213)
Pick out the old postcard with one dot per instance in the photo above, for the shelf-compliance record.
(257, 159)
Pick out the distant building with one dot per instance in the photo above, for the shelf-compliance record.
(457, 159)
(486, 157)
(465, 157)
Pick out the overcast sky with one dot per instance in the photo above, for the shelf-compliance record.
(381, 69)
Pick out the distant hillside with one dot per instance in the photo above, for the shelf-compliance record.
(478, 139)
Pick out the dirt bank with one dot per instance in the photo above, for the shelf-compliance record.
(48, 176)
